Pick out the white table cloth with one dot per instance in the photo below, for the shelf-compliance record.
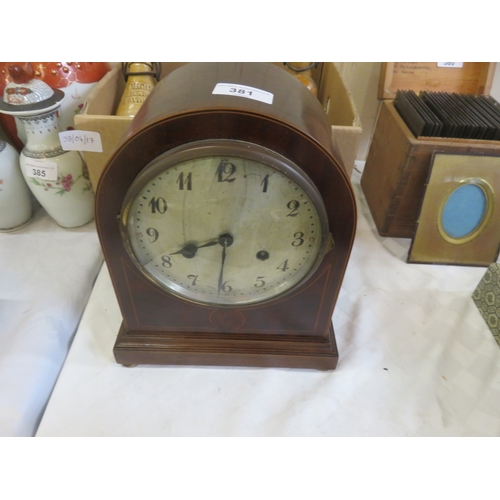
(416, 359)
(46, 276)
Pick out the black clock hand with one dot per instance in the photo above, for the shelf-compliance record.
(189, 250)
(219, 288)
(211, 244)
(225, 240)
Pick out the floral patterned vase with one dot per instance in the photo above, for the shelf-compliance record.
(58, 179)
(15, 201)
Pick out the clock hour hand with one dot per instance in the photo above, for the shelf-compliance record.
(189, 250)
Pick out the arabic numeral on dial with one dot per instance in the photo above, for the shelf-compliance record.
(226, 288)
(259, 282)
(283, 267)
(293, 206)
(299, 239)
(166, 262)
(193, 277)
(185, 182)
(225, 171)
(152, 233)
(158, 205)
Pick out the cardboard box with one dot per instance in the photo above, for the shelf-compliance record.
(471, 78)
(98, 115)
(397, 165)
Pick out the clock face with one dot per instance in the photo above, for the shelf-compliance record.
(224, 223)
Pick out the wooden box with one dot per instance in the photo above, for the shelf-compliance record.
(98, 115)
(397, 165)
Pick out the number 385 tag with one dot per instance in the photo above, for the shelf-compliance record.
(41, 169)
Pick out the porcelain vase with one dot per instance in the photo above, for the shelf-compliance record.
(58, 179)
(16, 210)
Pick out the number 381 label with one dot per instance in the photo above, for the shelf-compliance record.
(238, 90)
(41, 169)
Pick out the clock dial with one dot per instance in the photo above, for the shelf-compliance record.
(228, 224)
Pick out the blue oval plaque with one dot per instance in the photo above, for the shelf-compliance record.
(464, 211)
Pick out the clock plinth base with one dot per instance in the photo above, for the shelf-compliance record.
(244, 350)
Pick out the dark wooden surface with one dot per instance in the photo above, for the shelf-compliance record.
(294, 330)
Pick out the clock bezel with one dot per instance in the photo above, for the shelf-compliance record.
(215, 148)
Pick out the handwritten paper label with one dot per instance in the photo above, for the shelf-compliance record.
(450, 64)
(80, 140)
(41, 169)
(238, 90)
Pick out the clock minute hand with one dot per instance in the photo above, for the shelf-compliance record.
(219, 288)
(226, 240)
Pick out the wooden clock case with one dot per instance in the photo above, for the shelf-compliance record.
(293, 330)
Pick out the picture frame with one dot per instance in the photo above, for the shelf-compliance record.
(459, 221)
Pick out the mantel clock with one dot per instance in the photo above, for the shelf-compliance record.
(227, 222)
